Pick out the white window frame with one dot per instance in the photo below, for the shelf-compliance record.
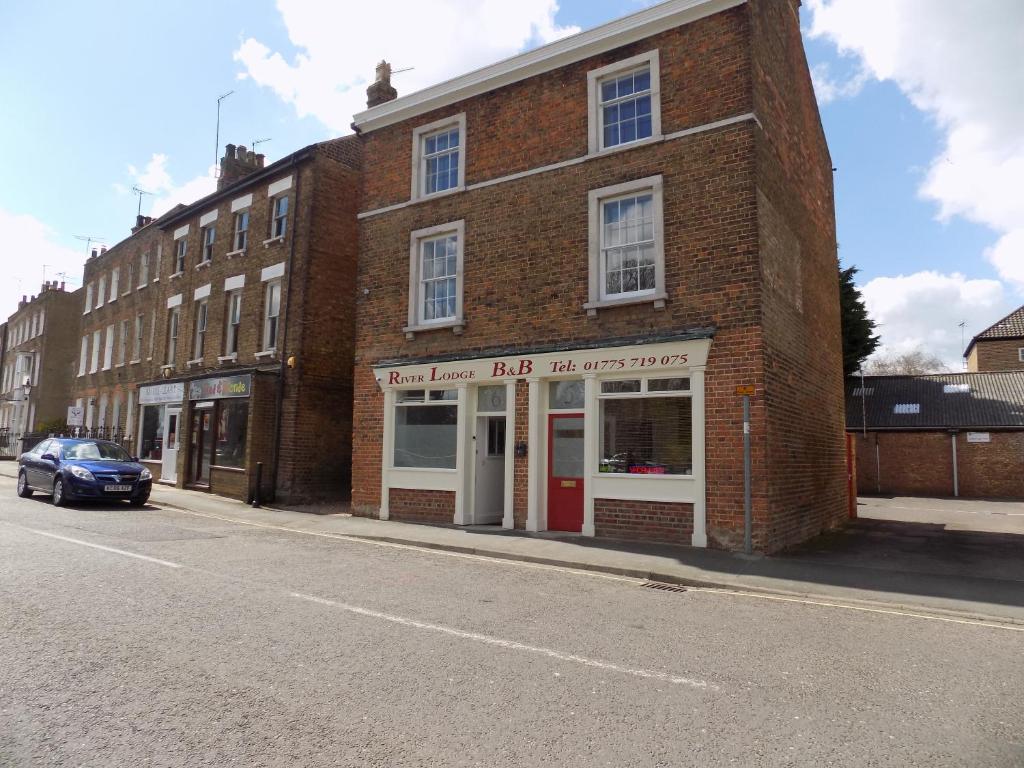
(143, 270)
(101, 291)
(122, 350)
(269, 287)
(199, 337)
(237, 233)
(173, 331)
(206, 256)
(595, 77)
(140, 325)
(1020, 354)
(233, 323)
(419, 135)
(415, 316)
(596, 199)
(97, 338)
(108, 349)
(180, 254)
(83, 360)
(130, 282)
(278, 221)
(115, 279)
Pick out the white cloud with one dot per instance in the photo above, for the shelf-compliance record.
(155, 179)
(829, 88)
(440, 39)
(924, 311)
(30, 248)
(960, 63)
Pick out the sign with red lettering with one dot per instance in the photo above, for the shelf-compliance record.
(639, 359)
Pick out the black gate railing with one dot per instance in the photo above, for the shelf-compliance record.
(12, 445)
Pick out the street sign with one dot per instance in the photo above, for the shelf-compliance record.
(746, 389)
(76, 416)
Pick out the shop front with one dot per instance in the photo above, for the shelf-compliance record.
(160, 407)
(602, 441)
(217, 458)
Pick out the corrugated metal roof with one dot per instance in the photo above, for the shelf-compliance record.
(941, 401)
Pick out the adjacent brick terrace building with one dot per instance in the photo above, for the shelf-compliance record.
(570, 261)
(36, 364)
(943, 435)
(999, 347)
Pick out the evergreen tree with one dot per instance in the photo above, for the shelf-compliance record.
(859, 339)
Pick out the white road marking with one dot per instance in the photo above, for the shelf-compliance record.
(494, 560)
(511, 645)
(98, 546)
(861, 608)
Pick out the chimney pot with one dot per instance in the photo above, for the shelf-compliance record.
(259, 160)
(381, 90)
(93, 254)
(62, 285)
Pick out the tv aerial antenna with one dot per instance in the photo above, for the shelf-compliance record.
(216, 149)
(140, 192)
(89, 240)
(257, 142)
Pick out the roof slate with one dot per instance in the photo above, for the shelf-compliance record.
(1010, 327)
(945, 401)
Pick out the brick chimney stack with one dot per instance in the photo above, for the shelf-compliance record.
(381, 90)
(140, 222)
(237, 163)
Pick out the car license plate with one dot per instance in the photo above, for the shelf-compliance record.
(117, 488)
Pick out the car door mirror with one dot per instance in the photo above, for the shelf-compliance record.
(49, 457)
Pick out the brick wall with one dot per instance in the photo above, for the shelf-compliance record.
(996, 355)
(418, 506)
(921, 464)
(643, 521)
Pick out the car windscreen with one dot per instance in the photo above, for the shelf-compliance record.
(95, 452)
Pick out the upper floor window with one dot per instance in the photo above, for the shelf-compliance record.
(234, 323)
(439, 157)
(180, 249)
(435, 285)
(1020, 354)
(83, 360)
(173, 321)
(140, 321)
(241, 230)
(624, 102)
(115, 276)
(279, 220)
(143, 269)
(271, 315)
(202, 315)
(101, 291)
(209, 235)
(131, 279)
(627, 261)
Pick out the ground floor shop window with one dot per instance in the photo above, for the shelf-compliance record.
(232, 429)
(152, 440)
(646, 427)
(426, 430)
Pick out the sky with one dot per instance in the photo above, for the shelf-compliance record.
(922, 103)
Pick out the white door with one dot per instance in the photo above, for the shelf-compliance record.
(172, 425)
(489, 505)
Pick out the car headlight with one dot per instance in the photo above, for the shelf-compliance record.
(145, 474)
(82, 474)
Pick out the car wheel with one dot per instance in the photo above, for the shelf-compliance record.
(138, 501)
(23, 490)
(59, 499)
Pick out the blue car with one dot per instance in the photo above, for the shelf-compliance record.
(79, 470)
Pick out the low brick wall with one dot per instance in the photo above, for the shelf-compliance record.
(667, 523)
(418, 506)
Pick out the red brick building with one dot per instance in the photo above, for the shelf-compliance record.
(943, 435)
(999, 347)
(571, 260)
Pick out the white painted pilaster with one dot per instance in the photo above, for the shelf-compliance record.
(591, 433)
(464, 457)
(534, 438)
(700, 534)
(388, 451)
(508, 520)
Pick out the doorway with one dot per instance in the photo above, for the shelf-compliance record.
(489, 502)
(169, 456)
(201, 445)
(565, 472)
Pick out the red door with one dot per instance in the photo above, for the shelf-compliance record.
(565, 472)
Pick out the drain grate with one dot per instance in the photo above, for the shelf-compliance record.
(662, 587)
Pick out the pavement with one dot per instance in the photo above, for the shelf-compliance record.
(214, 635)
(960, 563)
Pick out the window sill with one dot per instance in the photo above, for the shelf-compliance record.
(623, 147)
(111, 301)
(232, 358)
(203, 264)
(457, 327)
(126, 293)
(176, 275)
(134, 362)
(140, 287)
(657, 299)
(156, 279)
(166, 369)
(265, 354)
(237, 470)
(272, 240)
(232, 254)
(194, 363)
(435, 195)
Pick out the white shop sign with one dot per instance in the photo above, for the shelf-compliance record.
(158, 394)
(640, 359)
(979, 437)
(76, 416)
